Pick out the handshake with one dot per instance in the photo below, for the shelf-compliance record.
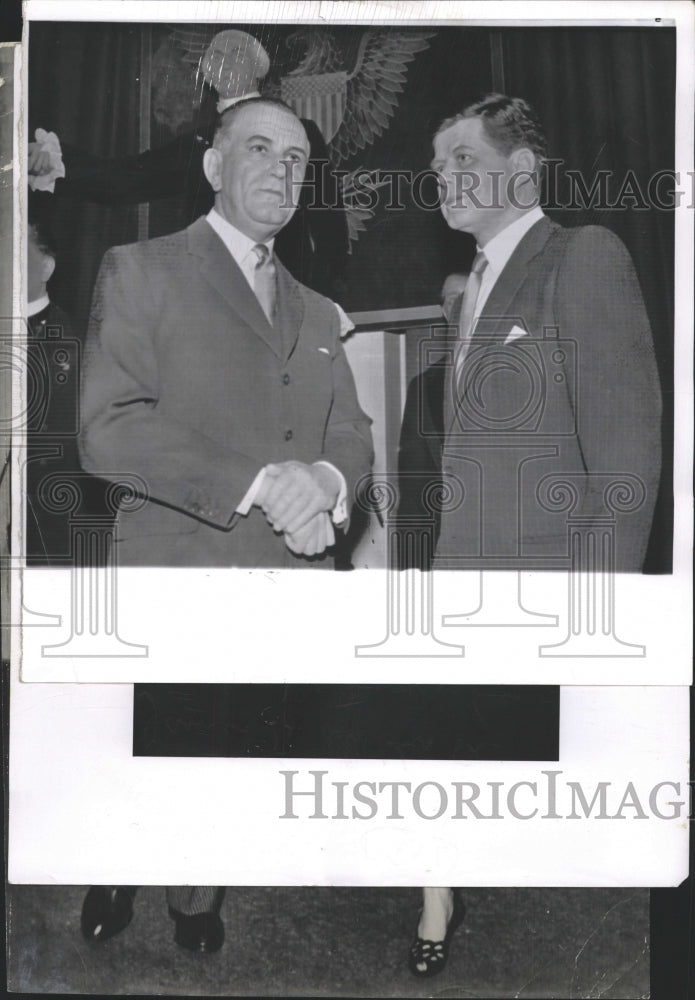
(297, 500)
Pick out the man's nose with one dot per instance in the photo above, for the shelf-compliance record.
(279, 167)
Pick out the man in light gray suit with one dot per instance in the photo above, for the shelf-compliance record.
(222, 382)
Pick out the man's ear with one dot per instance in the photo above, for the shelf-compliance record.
(212, 168)
(523, 160)
(48, 266)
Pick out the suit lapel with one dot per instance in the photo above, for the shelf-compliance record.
(290, 309)
(496, 311)
(494, 318)
(221, 271)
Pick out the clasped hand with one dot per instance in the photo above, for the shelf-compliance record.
(295, 498)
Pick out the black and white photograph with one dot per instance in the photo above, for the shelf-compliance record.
(399, 296)
(396, 397)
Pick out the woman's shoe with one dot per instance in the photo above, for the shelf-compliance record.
(433, 955)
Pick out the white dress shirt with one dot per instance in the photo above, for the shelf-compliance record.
(498, 251)
(38, 305)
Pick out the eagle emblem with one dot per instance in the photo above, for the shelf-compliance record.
(352, 105)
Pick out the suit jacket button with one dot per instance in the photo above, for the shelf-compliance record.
(285, 379)
(288, 435)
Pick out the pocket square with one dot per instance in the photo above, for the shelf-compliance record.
(324, 350)
(515, 333)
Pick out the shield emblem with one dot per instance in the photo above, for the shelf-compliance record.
(320, 97)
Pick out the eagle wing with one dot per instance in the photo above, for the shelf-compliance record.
(373, 86)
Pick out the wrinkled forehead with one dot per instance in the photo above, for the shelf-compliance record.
(274, 123)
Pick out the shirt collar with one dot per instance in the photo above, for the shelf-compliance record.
(38, 305)
(501, 247)
(238, 244)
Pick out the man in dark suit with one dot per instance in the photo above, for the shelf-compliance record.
(420, 449)
(222, 382)
(52, 457)
(552, 378)
(554, 371)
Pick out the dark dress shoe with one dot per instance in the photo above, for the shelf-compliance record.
(202, 932)
(428, 958)
(106, 911)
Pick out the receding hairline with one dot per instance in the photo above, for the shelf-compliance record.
(231, 115)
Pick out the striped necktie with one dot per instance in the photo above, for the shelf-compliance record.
(466, 325)
(264, 281)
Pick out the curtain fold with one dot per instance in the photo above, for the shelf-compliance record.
(84, 86)
(607, 100)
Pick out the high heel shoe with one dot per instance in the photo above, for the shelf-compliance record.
(433, 955)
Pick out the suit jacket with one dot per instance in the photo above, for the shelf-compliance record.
(313, 245)
(51, 448)
(420, 466)
(189, 386)
(54, 347)
(575, 397)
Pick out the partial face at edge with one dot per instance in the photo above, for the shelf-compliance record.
(40, 266)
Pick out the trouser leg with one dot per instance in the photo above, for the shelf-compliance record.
(194, 899)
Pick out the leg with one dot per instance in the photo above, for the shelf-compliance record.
(437, 907)
(442, 912)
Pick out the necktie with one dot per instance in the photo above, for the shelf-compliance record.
(264, 281)
(470, 298)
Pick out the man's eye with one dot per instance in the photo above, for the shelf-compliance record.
(258, 147)
(462, 158)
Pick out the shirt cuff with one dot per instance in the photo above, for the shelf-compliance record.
(249, 497)
(49, 144)
(339, 512)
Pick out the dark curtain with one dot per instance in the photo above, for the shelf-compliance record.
(84, 86)
(607, 100)
(606, 97)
